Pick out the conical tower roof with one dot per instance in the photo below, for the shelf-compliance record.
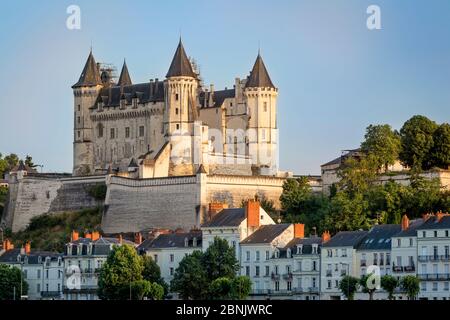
(124, 79)
(259, 77)
(180, 66)
(90, 76)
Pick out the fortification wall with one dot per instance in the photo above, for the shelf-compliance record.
(177, 202)
(135, 205)
(33, 196)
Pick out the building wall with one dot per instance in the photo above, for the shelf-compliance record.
(34, 196)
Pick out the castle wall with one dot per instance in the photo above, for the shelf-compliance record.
(34, 196)
(177, 202)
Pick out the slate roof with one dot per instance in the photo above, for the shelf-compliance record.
(379, 237)
(342, 158)
(152, 91)
(266, 233)
(226, 218)
(306, 242)
(412, 230)
(346, 239)
(90, 76)
(101, 246)
(124, 79)
(172, 240)
(433, 223)
(180, 66)
(259, 77)
(218, 97)
(10, 256)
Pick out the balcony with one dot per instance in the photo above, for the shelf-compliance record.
(409, 269)
(287, 276)
(314, 289)
(434, 276)
(50, 294)
(397, 268)
(275, 276)
(445, 258)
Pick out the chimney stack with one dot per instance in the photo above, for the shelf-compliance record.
(7, 245)
(405, 222)
(326, 236)
(440, 215)
(75, 236)
(252, 213)
(138, 238)
(95, 235)
(216, 207)
(299, 230)
(88, 236)
(27, 247)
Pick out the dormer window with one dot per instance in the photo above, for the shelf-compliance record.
(122, 103)
(19, 258)
(314, 248)
(100, 106)
(277, 254)
(135, 102)
(300, 249)
(186, 242)
(288, 253)
(194, 242)
(39, 259)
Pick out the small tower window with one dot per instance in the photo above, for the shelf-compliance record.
(79, 134)
(176, 96)
(127, 132)
(78, 120)
(100, 130)
(178, 126)
(141, 131)
(176, 111)
(265, 106)
(112, 135)
(79, 107)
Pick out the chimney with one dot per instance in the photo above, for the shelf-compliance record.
(405, 222)
(299, 230)
(216, 207)
(326, 236)
(440, 215)
(7, 245)
(138, 238)
(88, 236)
(95, 235)
(120, 239)
(75, 236)
(252, 213)
(426, 216)
(27, 247)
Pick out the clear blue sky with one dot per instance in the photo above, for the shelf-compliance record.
(335, 76)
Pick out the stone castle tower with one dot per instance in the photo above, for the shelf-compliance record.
(171, 127)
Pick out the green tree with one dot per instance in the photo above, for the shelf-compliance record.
(440, 153)
(357, 174)
(219, 260)
(11, 282)
(416, 137)
(348, 286)
(122, 267)
(383, 143)
(367, 285)
(389, 284)
(156, 291)
(220, 289)
(241, 287)
(138, 289)
(190, 279)
(410, 284)
(29, 161)
(152, 273)
(295, 193)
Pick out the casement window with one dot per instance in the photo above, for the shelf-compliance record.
(127, 132)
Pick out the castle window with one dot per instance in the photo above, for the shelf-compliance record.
(79, 108)
(100, 130)
(78, 132)
(176, 111)
(176, 96)
(265, 106)
(127, 132)
(178, 126)
(78, 120)
(112, 133)
(141, 131)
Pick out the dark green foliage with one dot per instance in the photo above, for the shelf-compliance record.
(152, 273)
(410, 284)
(98, 191)
(10, 278)
(389, 284)
(219, 260)
(348, 286)
(440, 153)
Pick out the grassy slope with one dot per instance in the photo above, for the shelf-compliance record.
(52, 232)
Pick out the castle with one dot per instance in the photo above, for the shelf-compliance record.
(171, 127)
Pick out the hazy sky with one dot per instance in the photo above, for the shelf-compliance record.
(334, 76)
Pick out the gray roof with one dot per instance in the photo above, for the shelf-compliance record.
(346, 239)
(305, 242)
(90, 76)
(339, 160)
(124, 79)
(152, 91)
(433, 223)
(379, 237)
(412, 229)
(226, 218)
(259, 77)
(218, 97)
(266, 233)
(10, 256)
(180, 65)
(172, 240)
(100, 247)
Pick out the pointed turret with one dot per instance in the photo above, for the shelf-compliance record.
(124, 79)
(259, 77)
(180, 66)
(90, 76)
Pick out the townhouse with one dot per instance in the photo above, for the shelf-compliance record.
(42, 270)
(433, 245)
